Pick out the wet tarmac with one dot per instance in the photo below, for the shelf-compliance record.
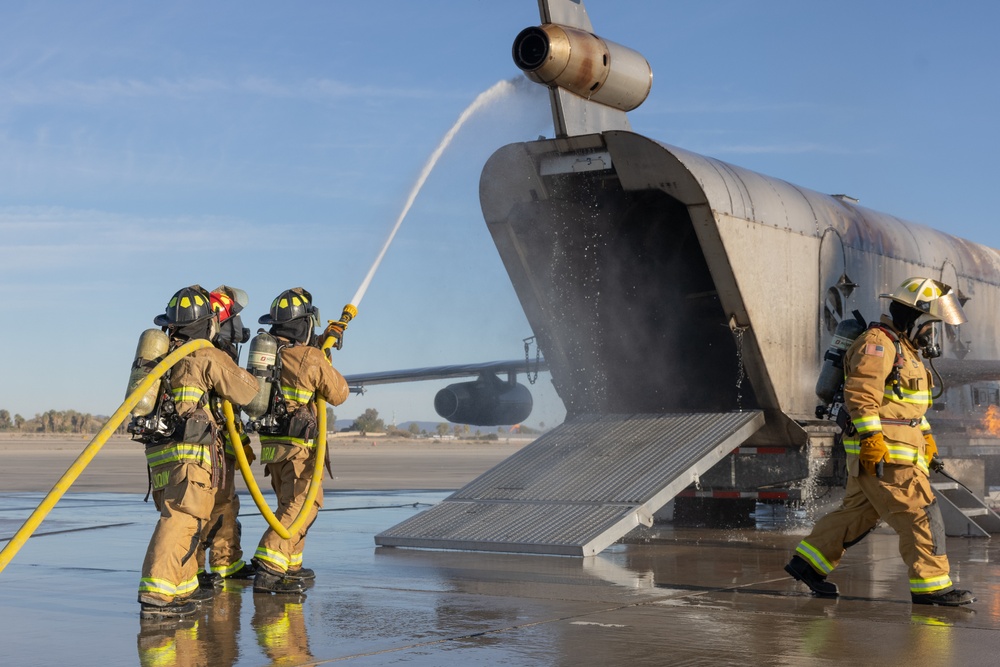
(671, 596)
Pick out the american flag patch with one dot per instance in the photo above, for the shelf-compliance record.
(874, 350)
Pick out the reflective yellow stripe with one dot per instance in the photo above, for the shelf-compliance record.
(228, 569)
(285, 440)
(177, 453)
(164, 587)
(910, 396)
(158, 586)
(930, 585)
(297, 395)
(191, 394)
(812, 554)
(867, 424)
(275, 559)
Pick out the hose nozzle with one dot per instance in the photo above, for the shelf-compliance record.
(350, 312)
(334, 334)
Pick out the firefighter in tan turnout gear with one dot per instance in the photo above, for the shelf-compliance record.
(185, 457)
(222, 533)
(288, 444)
(890, 449)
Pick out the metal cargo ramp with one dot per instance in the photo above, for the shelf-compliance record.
(964, 513)
(577, 489)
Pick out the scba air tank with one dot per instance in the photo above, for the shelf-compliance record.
(263, 355)
(831, 376)
(153, 345)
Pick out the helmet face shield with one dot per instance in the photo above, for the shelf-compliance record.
(948, 309)
(232, 299)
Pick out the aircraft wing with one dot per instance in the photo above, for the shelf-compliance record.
(956, 371)
(485, 401)
(358, 380)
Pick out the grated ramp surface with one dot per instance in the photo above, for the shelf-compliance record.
(580, 487)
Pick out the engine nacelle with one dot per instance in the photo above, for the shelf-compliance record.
(584, 64)
(488, 401)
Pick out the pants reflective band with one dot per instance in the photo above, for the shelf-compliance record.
(930, 585)
(180, 452)
(815, 558)
(163, 587)
(275, 560)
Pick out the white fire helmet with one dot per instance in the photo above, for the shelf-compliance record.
(937, 300)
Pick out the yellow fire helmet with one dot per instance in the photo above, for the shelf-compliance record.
(929, 296)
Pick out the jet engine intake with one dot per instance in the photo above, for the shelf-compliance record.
(487, 401)
(584, 64)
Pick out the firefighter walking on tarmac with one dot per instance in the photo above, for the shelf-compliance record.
(185, 455)
(287, 435)
(890, 449)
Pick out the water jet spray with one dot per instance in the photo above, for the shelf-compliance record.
(333, 336)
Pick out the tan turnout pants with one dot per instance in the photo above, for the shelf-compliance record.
(290, 480)
(222, 532)
(170, 569)
(903, 499)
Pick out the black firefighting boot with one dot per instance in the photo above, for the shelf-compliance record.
(268, 581)
(303, 573)
(817, 583)
(952, 598)
(209, 580)
(202, 595)
(150, 609)
(245, 573)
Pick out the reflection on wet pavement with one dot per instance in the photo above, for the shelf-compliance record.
(670, 595)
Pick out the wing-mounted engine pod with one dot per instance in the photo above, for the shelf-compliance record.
(584, 64)
(488, 401)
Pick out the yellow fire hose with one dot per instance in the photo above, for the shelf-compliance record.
(90, 451)
(315, 484)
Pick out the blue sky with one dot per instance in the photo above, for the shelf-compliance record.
(148, 146)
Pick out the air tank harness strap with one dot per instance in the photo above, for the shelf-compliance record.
(893, 378)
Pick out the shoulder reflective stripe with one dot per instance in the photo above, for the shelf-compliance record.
(182, 394)
(297, 395)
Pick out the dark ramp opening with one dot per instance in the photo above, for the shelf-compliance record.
(630, 309)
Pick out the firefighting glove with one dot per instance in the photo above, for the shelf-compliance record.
(873, 452)
(251, 457)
